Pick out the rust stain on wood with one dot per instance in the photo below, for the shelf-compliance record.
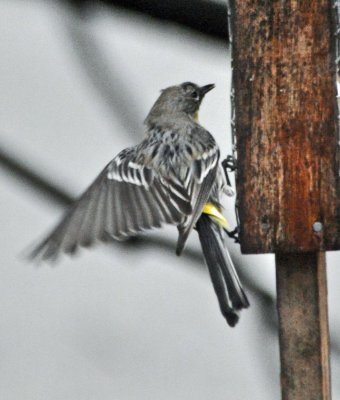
(286, 125)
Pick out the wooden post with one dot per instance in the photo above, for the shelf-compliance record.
(286, 128)
(303, 325)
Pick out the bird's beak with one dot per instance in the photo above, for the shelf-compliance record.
(205, 89)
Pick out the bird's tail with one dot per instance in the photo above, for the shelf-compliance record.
(223, 275)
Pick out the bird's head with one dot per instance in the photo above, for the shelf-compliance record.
(184, 98)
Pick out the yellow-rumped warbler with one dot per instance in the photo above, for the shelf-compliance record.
(173, 176)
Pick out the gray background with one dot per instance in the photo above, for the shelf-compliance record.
(118, 322)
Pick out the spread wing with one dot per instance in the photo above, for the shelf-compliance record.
(127, 197)
(157, 182)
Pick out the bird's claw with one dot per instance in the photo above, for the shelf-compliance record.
(229, 165)
(234, 234)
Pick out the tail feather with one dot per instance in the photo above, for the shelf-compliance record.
(235, 289)
(228, 289)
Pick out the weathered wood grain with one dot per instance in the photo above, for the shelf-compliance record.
(284, 79)
(303, 326)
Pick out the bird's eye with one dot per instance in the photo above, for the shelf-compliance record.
(195, 95)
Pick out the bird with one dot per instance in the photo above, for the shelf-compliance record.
(173, 176)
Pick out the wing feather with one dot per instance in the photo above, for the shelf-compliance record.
(85, 234)
(111, 217)
(199, 184)
(121, 202)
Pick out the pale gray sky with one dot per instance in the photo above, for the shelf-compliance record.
(114, 323)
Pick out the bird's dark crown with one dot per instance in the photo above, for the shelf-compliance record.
(184, 98)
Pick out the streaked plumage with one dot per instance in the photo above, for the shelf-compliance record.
(166, 179)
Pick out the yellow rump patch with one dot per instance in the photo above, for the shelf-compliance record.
(211, 210)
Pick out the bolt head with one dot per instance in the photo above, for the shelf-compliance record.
(317, 226)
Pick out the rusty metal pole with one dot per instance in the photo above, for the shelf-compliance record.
(287, 133)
